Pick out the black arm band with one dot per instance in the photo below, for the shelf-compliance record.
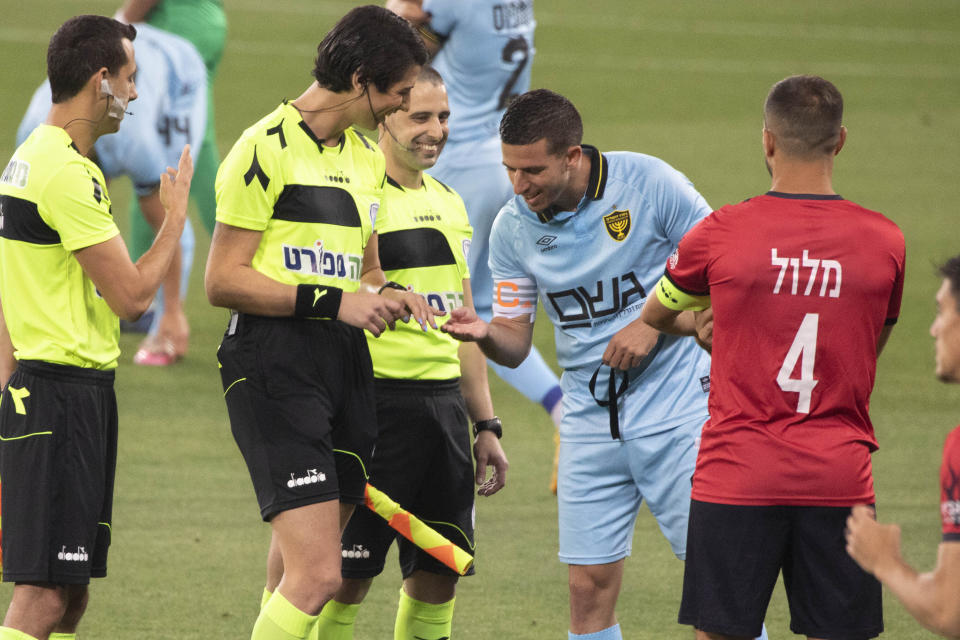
(317, 301)
(493, 424)
(390, 284)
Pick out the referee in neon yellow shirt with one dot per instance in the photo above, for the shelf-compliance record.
(65, 277)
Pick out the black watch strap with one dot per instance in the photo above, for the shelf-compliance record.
(493, 424)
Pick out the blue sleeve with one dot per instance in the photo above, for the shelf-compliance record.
(36, 113)
(679, 204)
(443, 14)
(503, 254)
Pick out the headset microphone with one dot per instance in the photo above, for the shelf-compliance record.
(116, 108)
(399, 144)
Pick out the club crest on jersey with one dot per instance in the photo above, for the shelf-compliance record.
(617, 224)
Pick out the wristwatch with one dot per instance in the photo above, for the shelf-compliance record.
(493, 424)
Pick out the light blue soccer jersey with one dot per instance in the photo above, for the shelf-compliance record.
(169, 112)
(592, 270)
(485, 59)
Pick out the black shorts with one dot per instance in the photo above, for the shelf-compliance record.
(58, 456)
(423, 461)
(734, 554)
(300, 398)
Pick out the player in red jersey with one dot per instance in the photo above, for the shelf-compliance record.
(932, 598)
(804, 288)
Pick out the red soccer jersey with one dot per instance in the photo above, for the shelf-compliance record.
(950, 487)
(801, 287)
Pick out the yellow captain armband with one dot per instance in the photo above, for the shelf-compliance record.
(673, 298)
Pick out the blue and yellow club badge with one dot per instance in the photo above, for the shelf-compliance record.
(618, 224)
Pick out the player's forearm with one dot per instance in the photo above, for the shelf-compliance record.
(506, 342)
(157, 264)
(928, 597)
(473, 382)
(244, 289)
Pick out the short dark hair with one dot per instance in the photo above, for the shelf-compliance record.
(950, 270)
(82, 46)
(431, 75)
(805, 114)
(539, 114)
(375, 41)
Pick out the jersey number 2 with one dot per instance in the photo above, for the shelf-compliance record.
(514, 46)
(804, 348)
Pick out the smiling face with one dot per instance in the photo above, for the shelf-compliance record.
(540, 177)
(946, 332)
(396, 98)
(419, 133)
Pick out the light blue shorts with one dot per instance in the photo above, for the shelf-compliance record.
(602, 485)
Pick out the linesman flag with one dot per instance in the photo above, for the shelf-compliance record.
(416, 531)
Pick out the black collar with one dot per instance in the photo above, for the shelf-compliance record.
(309, 131)
(803, 196)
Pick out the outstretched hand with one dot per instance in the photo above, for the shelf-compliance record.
(465, 325)
(416, 306)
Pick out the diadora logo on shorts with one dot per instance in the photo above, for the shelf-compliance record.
(546, 243)
(315, 260)
(80, 555)
(313, 476)
(357, 552)
(604, 302)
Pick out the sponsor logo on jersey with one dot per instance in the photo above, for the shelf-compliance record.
(546, 243)
(604, 302)
(16, 174)
(358, 551)
(617, 224)
(674, 258)
(950, 508)
(314, 260)
(312, 477)
(80, 555)
(705, 384)
(444, 300)
(466, 249)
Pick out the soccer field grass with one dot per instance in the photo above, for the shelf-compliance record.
(682, 80)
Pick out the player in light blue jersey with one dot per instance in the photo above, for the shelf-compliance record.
(587, 234)
(169, 112)
(484, 50)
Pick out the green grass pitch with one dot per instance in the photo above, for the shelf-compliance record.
(684, 81)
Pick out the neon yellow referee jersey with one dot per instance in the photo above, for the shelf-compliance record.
(423, 244)
(53, 201)
(315, 205)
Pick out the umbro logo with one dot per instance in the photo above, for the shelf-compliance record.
(546, 243)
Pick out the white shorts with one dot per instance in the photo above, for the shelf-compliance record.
(601, 486)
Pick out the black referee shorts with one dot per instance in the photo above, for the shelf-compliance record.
(423, 461)
(735, 553)
(58, 455)
(300, 398)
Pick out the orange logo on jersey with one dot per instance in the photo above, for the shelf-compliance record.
(618, 224)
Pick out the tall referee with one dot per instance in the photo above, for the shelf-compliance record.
(65, 276)
(423, 455)
(295, 256)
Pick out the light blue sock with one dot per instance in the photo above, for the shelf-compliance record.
(533, 378)
(763, 633)
(610, 633)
